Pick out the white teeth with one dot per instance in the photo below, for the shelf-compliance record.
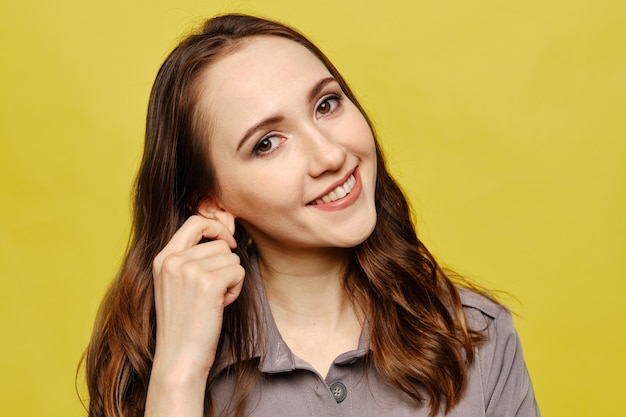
(339, 192)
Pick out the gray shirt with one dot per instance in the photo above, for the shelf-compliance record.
(498, 384)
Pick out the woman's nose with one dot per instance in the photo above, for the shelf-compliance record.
(325, 153)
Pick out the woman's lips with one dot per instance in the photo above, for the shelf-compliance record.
(339, 192)
(342, 195)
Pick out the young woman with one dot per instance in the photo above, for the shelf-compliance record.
(274, 269)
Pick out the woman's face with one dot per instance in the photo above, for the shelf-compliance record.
(295, 160)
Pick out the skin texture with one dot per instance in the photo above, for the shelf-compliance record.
(282, 135)
(311, 149)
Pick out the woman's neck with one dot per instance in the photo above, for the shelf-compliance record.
(307, 286)
(307, 297)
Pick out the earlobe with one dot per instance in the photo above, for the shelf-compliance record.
(211, 209)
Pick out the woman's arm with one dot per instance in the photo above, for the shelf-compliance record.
(193, 283)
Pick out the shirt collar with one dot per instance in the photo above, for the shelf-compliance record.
(272, 351)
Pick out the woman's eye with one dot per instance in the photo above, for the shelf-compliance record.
(328, 105)
(266, 145)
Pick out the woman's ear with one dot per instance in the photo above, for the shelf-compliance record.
(211, 209)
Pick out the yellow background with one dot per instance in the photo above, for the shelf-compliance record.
(505, 121)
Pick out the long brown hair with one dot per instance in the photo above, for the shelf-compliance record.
(419, 339)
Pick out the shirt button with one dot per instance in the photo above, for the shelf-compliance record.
(339, 391)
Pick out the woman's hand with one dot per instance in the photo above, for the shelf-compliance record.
(193, 283)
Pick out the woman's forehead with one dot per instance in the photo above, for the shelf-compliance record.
(262, 75)
(262, 61)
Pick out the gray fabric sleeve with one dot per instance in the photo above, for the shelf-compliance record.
(506, 383)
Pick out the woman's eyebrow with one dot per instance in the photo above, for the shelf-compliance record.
(319, 86)
(261, 125)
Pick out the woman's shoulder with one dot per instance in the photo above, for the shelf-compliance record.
(477, 304)
(487, 316)
(499, 371)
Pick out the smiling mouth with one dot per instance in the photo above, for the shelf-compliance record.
(338, 193)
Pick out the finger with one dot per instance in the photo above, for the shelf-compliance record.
(195, 229)
(236, 274)
(189, 234)
(206, 278)
(213, 263)
(208, 256)
(207, 250)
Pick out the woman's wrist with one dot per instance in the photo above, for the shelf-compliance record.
(177, 390)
